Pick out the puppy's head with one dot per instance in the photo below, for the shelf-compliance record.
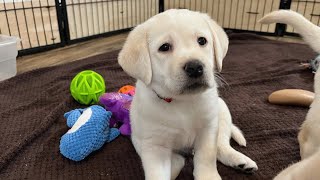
(175, 52)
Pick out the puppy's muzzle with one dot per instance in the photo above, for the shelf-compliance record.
(196, 80)
(194, 69)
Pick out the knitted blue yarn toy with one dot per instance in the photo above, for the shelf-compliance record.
(313, 64)
(89, 131)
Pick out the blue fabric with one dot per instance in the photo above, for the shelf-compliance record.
(90, 137)
(73, 116)
(314, 63)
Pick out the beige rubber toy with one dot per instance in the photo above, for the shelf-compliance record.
(297, 97)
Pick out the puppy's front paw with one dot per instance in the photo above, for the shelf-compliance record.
(207, 174)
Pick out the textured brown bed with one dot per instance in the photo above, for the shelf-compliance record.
(32, 107)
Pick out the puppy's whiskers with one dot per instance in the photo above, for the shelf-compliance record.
(220, 80)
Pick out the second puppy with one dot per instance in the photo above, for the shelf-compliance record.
(309, 139)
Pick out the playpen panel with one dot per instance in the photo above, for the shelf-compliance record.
(308, 8)
(232, 14)
(33, 21)
(87, 18)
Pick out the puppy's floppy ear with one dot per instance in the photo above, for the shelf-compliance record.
(134, 57)
(220, 41)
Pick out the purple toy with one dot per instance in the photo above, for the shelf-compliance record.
(119, 105)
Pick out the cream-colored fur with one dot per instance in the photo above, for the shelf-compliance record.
(196, 118)
(309, 135)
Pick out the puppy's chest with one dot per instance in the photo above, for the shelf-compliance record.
(189, 116)
(180, 125)
(181, 116)
(175, 137)
(185, 139)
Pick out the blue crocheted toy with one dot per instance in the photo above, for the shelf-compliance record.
(313, 64)
(89, 131)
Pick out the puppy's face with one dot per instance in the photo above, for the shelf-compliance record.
(179, 52)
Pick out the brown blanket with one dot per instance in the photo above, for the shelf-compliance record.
(32, 107)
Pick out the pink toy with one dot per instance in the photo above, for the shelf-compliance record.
(119, 105)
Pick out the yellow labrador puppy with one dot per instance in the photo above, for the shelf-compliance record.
(308, 137)
(173, 56)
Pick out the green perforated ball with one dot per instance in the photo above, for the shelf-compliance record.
(87, 86)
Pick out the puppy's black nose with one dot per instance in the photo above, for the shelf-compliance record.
(194, 68)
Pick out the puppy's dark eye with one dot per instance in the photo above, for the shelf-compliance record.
(165, 47)
(202, 41)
